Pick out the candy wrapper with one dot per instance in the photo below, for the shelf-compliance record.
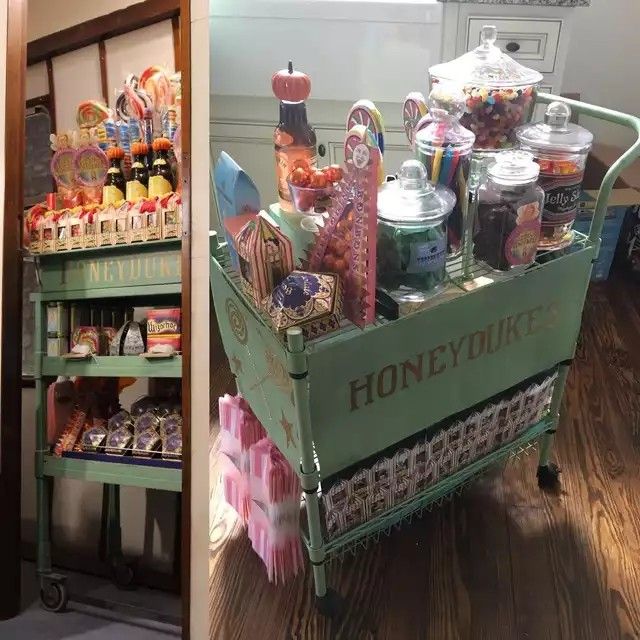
(69, 436)
(118, 441)
(89, 217)
(163, 328)
(121, 223)
(94, 437)
(105, 227)
(346, 244)
(265, 255)
(61, 219)
(89, 336)
(137, 222)
(152, 219)
(312, 301)
(75, 228)
(171, 213)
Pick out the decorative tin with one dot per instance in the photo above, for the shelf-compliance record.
(89, 336)
(312, 301)
(265, 255)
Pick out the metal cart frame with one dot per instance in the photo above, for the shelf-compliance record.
(334, 401)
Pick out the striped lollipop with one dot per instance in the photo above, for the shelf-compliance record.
(91, 113)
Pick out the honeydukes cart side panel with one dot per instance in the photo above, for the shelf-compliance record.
(258, 360)
(371, 389)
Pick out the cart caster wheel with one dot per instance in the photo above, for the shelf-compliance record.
(330, 605)
(54, 596)
(549, 477)
(123, 575)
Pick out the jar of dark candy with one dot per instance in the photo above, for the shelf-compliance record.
(412, 233)
(507, 226)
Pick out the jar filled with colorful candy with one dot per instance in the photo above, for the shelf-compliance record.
(500, 92)
(561, 148)
(444, 147)
(412, 233)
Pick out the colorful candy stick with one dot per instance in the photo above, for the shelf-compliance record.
(365, 112)
(413, 110)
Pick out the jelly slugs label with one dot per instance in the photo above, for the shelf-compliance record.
(427, 256)
(159, 186)
(520, 247)
(111, 195)
(562, 194)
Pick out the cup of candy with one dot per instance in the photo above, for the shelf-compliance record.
(311, 188)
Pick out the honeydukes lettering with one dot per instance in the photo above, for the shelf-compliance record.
(420, 367)
(141, 269)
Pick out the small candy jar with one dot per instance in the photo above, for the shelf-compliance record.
(444, 147)
(561, 149)
(412, 233)
(507, 226)
(500, 92)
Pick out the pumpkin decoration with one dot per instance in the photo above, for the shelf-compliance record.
(139, 149)
(161, 144)
(290, 85)
(115, 153)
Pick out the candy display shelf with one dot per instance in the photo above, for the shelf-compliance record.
(333, 402)
(144, 274)
(113, 366)
(112, 247)
(127, 472)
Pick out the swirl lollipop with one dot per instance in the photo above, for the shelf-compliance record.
(413, 110)
(364, 112)
(356, 148)
(91, 113)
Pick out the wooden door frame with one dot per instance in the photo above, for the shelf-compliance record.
(11, 363)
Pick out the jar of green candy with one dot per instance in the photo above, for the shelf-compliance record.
(412, 233)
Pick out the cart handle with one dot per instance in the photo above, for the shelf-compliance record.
(625, 160)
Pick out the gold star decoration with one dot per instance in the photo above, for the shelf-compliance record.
(236, 365)
(288, 430)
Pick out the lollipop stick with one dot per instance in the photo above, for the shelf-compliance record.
(437, 161)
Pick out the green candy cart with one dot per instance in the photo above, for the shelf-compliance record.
(334, 401)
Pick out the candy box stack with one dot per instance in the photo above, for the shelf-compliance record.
(163, 328)
(397, 476)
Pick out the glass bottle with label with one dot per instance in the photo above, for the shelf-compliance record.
(161, 179)
(561, 148)
(507, 225)
(138, 183)
(294, 138)
(412, 233)
(114, 187)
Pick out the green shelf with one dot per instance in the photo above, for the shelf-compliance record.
(148, 295)
(115, 473)
(113, 366)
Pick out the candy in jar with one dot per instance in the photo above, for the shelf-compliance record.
(444, 147)
(561, 149)
(507, 226)
(500, 92)
(412, 233)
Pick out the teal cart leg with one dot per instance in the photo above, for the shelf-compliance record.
(328, 601)
(53, 589)
(548, 472)
(121, 572)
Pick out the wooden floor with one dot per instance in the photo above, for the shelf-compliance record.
(502, 561)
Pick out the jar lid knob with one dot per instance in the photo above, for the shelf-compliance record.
(412, 175)
(488, 35)
(557, 115)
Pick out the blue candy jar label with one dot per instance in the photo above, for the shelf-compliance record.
(427, 256)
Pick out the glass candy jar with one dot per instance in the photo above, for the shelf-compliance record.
(500, 92)
(444, 147)
(561, 149)
(507, 225)
(412, 233)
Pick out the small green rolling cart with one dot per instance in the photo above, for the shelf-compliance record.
(142, 274)
(334, 401)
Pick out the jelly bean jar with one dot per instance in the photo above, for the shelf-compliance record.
(500, 92)
(561, 149)
(507, 225)
(412, 233)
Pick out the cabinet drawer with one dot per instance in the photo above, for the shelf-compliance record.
(532, 42)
